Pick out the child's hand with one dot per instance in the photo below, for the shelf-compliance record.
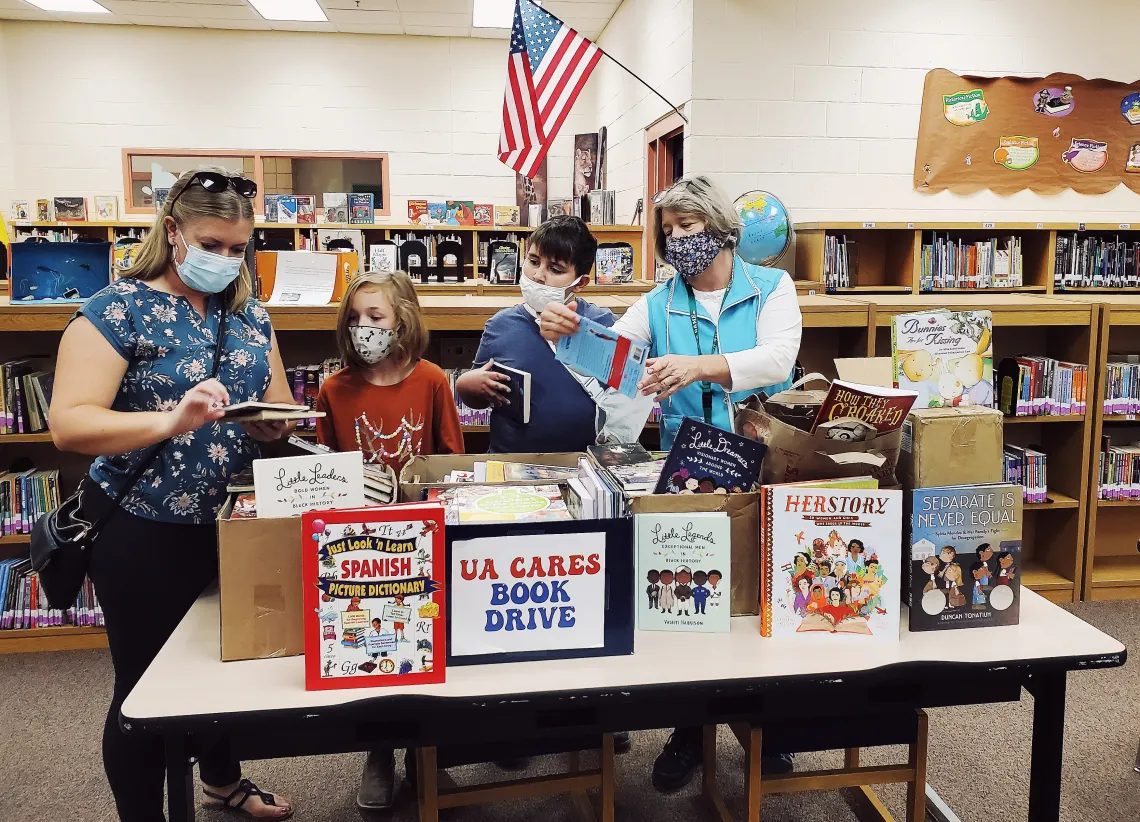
(488, 385)
(268, 430)
(558, 321)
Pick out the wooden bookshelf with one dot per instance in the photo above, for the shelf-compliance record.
(1053, 538)
(889, 254)
(63, 638)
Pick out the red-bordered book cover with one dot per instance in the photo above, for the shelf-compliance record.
(374, 601)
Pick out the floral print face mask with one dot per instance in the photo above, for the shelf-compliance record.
(692, 253)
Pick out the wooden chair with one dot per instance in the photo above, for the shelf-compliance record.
(854, 780)
(432, 798)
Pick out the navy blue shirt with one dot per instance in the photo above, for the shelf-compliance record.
(561, 413)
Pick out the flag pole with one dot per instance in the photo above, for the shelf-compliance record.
(638, 79)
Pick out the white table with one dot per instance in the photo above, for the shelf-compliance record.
(704, 678)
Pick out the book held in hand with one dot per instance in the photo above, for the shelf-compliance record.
(254, 411)
(517, 408)
(684, 565)
(615, 360)
(707, 460)
(830, 559)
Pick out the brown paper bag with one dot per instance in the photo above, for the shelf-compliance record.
(744, 528)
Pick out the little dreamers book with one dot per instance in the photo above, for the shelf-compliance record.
(683, 572)
(830, 561)
(706, 460)
(375, 610)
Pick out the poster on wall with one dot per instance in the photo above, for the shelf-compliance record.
(1045, 134)
(585, 163)
(531, 192)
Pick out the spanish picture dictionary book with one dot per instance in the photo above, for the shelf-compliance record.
(374, 606)
(830, 560)
(965, 555)
(613, 359)
(945, 356)
(706, 460)
(683, 572)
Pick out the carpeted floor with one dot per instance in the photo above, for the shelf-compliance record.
(52, 708)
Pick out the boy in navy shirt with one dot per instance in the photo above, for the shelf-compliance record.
(557, 265)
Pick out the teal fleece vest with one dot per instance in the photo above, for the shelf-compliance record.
(672, 331)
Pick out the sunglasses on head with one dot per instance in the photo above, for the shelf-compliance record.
(215, 182)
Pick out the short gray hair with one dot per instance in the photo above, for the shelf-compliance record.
(698, 195)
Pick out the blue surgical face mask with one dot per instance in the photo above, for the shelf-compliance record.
(205, 271)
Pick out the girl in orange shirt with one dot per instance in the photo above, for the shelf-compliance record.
(392, 405)
(387, 401)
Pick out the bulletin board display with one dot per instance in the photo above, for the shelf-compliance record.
(1045, 134)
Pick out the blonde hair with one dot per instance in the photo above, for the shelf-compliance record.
(411, 331)
(156, 254)
(697, 195)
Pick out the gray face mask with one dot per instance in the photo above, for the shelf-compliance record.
(371, 343)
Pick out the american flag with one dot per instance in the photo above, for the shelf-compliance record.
(548, 65)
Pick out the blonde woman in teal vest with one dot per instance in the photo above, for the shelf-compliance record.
(719, 330)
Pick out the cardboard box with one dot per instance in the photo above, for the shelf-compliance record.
(259, 582)
(950, 446)
(420, 472)
(744, 529)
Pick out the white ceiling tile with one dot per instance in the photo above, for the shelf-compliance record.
(364, 18)
(254, 23)
(137, 9)
(436, 19)
(360, 5)
(438, 31)
(297, 25)
(446, 6)
(26, 13)
(126, 7)
(355, 28)
(103, 19)
(199, 11)
(179, 22)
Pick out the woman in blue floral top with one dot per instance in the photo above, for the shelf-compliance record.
(134, 370)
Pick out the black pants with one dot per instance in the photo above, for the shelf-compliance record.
(147, 574)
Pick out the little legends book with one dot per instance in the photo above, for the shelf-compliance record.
(965, 555)
(375, 611)
(830, 560)
(683, 562)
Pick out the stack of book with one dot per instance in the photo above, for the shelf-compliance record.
(1119, 471)
(1025, 467)
(25, 395)
(601, 203)
(1122, 386)
(1042, 386)
(24, 605)
(25, 496)
(306, 381)
(840, 255)
(1096, 262)
(957, 263)
(476, 502)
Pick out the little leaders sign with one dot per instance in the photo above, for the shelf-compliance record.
(543, 592)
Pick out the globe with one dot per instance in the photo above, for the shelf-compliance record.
(767, 231)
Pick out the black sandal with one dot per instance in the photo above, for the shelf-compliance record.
(241, 794)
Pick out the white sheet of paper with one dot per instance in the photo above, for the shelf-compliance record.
(290, 486)
(522, 610)
(304, 278)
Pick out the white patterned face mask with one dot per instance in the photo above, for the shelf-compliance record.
(371, 343)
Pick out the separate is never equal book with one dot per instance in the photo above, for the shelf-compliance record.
(683, 567)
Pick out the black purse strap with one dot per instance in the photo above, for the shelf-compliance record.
(148, 461)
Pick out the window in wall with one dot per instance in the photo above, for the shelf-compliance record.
(275, 172)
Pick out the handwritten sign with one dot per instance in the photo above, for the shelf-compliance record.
(528, 593)
(290, 486)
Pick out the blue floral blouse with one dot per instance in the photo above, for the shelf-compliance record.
(169, 348)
